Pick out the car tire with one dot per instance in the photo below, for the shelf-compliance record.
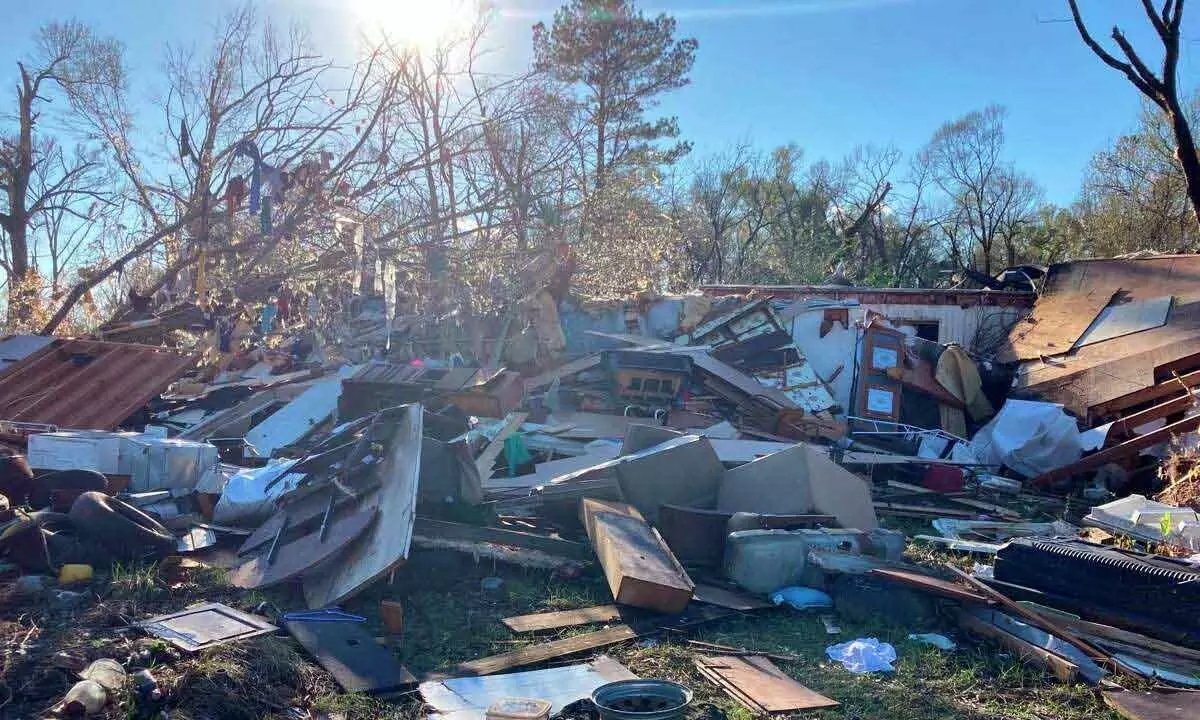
(125, 531)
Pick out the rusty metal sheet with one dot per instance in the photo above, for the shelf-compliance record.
(87, 384)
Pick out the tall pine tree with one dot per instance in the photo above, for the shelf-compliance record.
(621, 62)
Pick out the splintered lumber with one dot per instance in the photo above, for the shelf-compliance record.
(640, 568)
(1127, 449)
(588, 641)
(931, 585)
(1158, 705)
(758, 684)
(1035, 619)
(562, 618)
(487, 458)
(1061, 668)
(447, 530)
(970, 502)
(547, 651)
(586, 362)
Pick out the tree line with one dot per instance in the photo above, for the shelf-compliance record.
(265, 162)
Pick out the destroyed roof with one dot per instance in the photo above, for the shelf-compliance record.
(86, 383)
(1074, 297)
(884, 296)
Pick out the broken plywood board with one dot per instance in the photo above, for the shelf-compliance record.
(385, 544)
(683, 471)
(204, 626)
(796, 481)
(1073, 295)
(575, 366)
(299, 417)
(640, 568)
(303, 554)
(1159, 705)
(562, 618)
(351, 655)
(760, 685)
(468, 698)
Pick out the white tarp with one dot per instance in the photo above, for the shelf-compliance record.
(248, 496)
(1030, 437)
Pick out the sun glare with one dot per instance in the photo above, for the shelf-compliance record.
(419, 25)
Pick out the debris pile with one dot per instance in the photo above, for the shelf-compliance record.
(736, 451)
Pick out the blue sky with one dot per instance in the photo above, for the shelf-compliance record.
(825, 74)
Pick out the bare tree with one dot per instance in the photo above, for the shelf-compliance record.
(40, 183)
(263, 102)
(1162, 91)
(988, 200)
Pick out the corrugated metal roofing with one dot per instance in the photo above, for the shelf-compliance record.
(87, 384)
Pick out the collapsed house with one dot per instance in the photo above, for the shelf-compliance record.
(720, 452)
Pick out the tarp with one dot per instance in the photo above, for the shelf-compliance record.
(1030, 437)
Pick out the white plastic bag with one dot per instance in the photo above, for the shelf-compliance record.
(863, 655)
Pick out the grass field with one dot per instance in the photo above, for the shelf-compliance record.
(449, 619)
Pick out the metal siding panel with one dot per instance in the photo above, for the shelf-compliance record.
(50, 387)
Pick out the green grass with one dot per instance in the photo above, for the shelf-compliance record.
(450, 619)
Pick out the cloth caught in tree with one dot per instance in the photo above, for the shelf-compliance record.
(185, 146)
(250, 150)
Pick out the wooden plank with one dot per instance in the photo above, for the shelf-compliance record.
(1033, 618)
(487, 458)
(385, 545)
(1126, 449)
(764, 684)
(562, 619)
(445, 530)
(586, 362)
(588, 641)
(969, 502)
(1160, 391)
(1160, 705)
(293, 559)
(640, 568)
(1108, 632)
(351, 655)
(548, 651)
(1123, 428)
(1061, 668)
(884, 507)
(930, 584)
